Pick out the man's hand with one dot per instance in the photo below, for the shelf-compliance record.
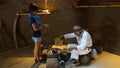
(62, 37)
(71, 48)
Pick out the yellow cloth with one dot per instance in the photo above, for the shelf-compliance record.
(62, 47)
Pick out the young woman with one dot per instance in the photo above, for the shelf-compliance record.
(36, 30)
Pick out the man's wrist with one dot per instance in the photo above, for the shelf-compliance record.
(62, 37)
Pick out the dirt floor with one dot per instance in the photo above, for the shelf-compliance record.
(24, 59)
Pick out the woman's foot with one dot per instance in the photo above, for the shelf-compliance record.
(37, 61)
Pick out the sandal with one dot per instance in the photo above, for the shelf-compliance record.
(77, 64)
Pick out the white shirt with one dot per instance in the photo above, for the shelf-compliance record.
(84, 41)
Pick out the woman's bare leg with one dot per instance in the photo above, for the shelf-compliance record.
(37, 50)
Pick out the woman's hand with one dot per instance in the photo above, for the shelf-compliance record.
(46, 25)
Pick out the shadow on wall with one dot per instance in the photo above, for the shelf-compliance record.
(110, 34)
(6, 40)
(22, 41)
(3, 2)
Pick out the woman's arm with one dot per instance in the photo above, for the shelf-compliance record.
(34, 27)
(42, 26)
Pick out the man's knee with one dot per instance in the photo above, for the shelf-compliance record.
(71, 45)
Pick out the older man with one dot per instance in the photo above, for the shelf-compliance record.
(84, 42)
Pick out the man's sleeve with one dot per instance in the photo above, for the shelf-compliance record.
(83, 44)
(70, 35)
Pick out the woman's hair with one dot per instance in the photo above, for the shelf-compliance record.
(33, 7)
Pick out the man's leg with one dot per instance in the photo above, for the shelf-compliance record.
(75, 55)
(70, 45)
